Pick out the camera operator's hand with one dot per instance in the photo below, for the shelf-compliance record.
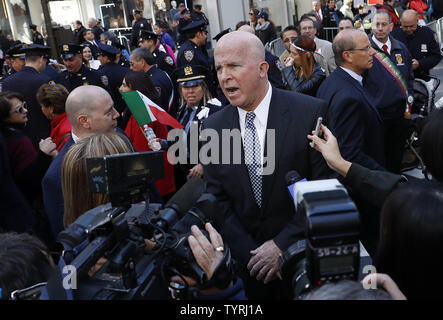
(386, 282)
(330, 151)
(264, 262)
(207, 254)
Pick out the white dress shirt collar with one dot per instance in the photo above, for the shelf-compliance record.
(354, 75)
(380, 44)
(261, 118)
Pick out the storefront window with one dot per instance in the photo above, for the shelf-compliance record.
(18, 12)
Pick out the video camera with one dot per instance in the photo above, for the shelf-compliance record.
(330, 250)
(107, 245)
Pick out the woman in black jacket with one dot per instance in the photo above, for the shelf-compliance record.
(265, 29)
(302, 73)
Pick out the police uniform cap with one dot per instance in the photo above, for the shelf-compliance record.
(198, 25)
(37, 50)
(107, 49)
(190, 76)
(221, 34)
(147, 35)
(33, 27)
(136, 11)
(17, 51)
(69, 50)
(198, 6)
(186, 10)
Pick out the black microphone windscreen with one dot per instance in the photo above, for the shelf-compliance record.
(187, 196)
(292, 177)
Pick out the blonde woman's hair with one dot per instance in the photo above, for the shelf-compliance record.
(77, 199)
(206, 96)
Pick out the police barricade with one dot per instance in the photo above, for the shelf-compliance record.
(124, 36)
(276, 47)
(330, 33)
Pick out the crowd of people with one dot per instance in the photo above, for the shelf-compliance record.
(53, 116)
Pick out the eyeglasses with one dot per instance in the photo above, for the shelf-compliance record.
(20, 108)
(366, 49)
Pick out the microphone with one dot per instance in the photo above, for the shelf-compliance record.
(180, 203)
(187, 196)
(291, 178)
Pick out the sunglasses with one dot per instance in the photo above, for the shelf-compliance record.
(20, 108)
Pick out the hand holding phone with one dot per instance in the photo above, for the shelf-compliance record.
(317, 130)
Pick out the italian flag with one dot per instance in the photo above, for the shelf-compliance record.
(146, 111)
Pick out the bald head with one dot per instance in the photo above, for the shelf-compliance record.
(409, 21)
(244, 40)
(247, 28)
(241, 69)
(409, 15)
(87, 106)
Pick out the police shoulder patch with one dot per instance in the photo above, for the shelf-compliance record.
(169, 60)
(278, 64)
(104, 80)
(189, 55)
(52, 82)
(159, 90)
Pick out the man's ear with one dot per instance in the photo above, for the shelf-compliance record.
(347, 56)
(83, 121)
(264, 67)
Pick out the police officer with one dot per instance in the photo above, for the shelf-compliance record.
(139, 24)
(193, 51)
(142, 60)
(114, 72)
(17, 58)
(197, 104)
(388, 84)
(198, 14)
(77, 74)
(27, 82)
(421, 42)
(183, 22)
(37, 38)
(163, 60)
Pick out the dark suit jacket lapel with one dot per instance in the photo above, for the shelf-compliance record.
(277, 121)
(342, 73)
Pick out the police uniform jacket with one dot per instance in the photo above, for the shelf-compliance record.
(10, 72)
(196, 16)
(115, 74)
(37, 38)
(422, 46)
(191, 54)
(401, 57)
(164, 87)
(138, 26)
(27, 82)
(85, 76)
(188, 116)
(164, 61)
(275, 70)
